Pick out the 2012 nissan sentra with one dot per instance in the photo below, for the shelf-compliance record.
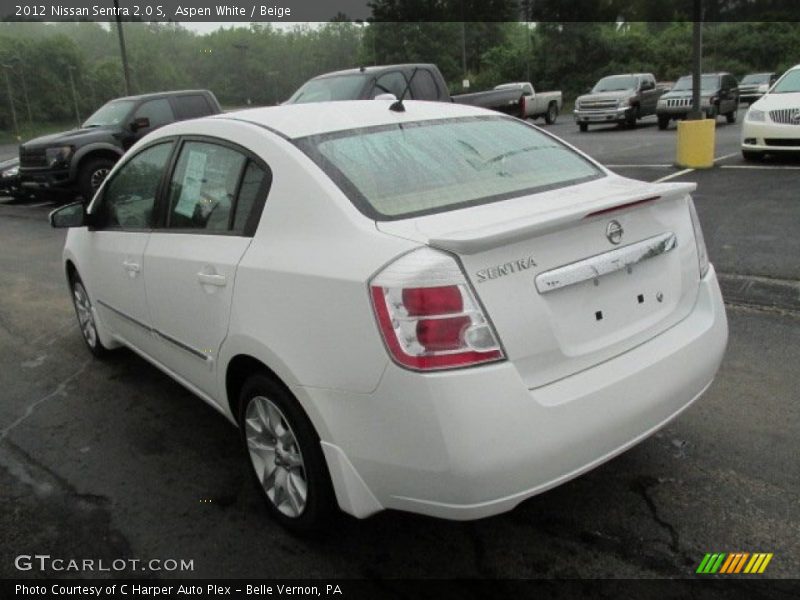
(439, 309)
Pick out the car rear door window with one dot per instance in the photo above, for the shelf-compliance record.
(203, 187)
(158, 112)
(129, 196)
(251, 192)
(423, 86)
(192, 106)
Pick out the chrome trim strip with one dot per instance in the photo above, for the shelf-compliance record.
(602, 264)
(181, 345)
(124, 316)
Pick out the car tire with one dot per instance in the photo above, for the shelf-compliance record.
(631, 118)
(731, 116)
(85, 314)
(663, 122)
(91, 175)
(583, 127)
(551, 115)
(752, 156)
(285, 457)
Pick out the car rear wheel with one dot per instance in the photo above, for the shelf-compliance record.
(663, 122)
(583, 127)
(84, 312)
(286, 458)
(731, 116)
(92, 175)
(552, 113)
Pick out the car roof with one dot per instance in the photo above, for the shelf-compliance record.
(313, 118)
(375, 70)
(154, 95)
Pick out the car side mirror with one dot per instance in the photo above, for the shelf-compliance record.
(71, 215)
(140, 123)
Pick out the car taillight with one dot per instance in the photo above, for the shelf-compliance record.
(702, 252)
(428, 314)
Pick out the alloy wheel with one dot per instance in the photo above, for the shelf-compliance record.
(97, 177)
(276, 457)
(83, 307)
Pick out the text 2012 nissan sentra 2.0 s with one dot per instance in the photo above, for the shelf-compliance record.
(442, 310)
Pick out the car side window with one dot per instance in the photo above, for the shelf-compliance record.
(389, 83)
(203, 187)
(158, 112)
(423, 86)
(251, 191)
(129, 197)
(192, 106)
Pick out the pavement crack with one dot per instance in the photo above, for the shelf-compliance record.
(31, 408)
(642, 486)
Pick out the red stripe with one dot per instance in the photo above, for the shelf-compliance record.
(605, 211)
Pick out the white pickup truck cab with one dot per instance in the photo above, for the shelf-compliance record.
(441, 310)
(536, 104)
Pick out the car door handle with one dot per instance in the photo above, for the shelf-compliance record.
(131, 267)
(212, 279)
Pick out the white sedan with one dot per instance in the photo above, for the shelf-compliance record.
(772, 125)
(441, 310)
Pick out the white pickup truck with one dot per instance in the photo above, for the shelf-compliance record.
(536, 104)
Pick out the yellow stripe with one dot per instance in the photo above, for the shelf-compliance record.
(766, 562)
(741, 562)
(753, 564)
(727, 563)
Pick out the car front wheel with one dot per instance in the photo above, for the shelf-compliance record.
(286, 457)
(85, 314)
(92, 175)
(663, 122)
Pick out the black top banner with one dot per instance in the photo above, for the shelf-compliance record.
(186, 11)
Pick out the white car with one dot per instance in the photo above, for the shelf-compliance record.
(772, 124)
(441, 310)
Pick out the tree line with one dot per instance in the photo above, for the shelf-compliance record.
(259, 64)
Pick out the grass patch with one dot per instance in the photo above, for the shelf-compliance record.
(28, 132)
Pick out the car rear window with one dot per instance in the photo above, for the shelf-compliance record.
(192, 106)
(410, 169)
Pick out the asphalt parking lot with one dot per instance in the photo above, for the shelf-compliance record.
(114, 459)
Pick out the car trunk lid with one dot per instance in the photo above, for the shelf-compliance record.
(573, 277)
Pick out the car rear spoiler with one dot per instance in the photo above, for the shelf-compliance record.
(472, 241)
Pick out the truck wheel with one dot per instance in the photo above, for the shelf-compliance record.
(663, 122)
(91, 175)
(632, 117)
(584, 127)
(552, 113)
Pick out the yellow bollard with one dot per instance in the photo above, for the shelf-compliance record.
(695, 144)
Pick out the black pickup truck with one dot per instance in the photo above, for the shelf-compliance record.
(79, 160)
(427, 83)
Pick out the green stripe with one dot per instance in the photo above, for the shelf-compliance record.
(702, 567)
(718, 564)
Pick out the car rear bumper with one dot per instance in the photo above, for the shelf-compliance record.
(770, 137)
(472, 443)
